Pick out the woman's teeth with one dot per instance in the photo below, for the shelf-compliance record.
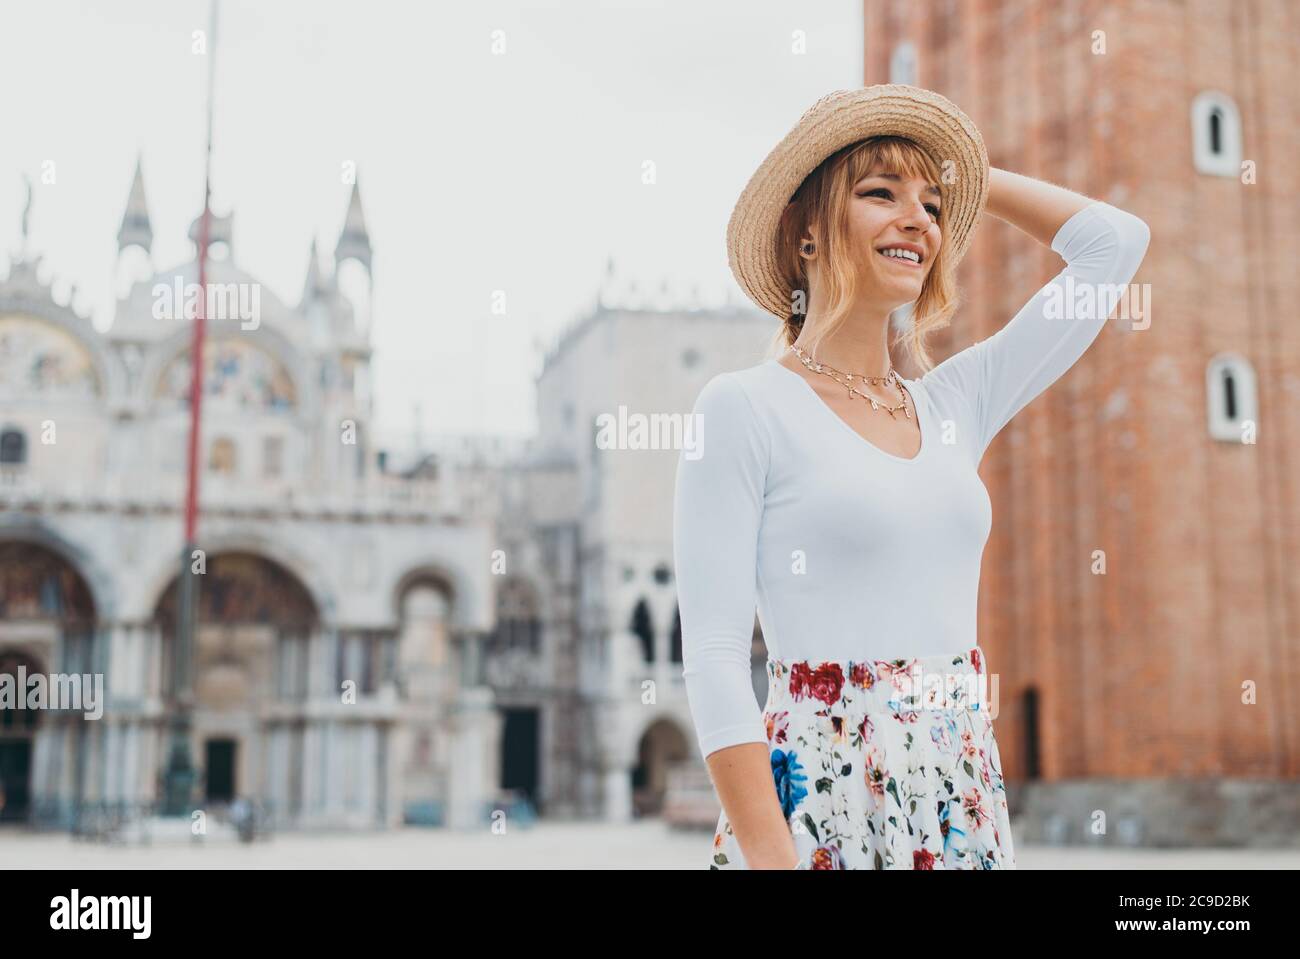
(907, 256)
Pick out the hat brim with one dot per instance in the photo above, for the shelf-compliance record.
(836, 120)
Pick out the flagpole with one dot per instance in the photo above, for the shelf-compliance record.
(180, 766)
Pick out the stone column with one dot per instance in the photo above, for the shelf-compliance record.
(475, 733)
(625, 674)
(43, 744)
(616, 757)
(618, 794)
(110, 745)
(311, 800)
(133, 786)
(321, 655)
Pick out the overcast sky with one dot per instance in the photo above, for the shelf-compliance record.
(520, 172)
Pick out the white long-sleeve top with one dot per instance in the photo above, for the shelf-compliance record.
(847, 551)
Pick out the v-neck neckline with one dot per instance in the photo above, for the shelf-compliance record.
(911, 395)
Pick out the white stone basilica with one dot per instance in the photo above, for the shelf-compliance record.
(381, 639)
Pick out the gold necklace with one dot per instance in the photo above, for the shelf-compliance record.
(890, 378)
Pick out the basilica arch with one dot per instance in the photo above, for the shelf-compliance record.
(48, 622)
(282, 383)
(47, 349)
(254, 625)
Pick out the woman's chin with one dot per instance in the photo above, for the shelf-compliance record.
(905, 293)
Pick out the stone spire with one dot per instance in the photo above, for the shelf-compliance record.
(354, 242)
(314, 286)
(136, 229)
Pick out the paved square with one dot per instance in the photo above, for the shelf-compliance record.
(577, 845)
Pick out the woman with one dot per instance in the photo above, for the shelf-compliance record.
(844, 500)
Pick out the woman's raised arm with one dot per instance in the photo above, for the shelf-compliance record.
(1102, 247)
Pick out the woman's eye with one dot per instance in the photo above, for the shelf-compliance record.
(932, 208)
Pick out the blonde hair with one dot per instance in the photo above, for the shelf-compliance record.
(821, 205)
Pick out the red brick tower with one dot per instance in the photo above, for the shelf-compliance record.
(1123, 692)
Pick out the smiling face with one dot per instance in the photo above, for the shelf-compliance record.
(833, 234)
(893, 224)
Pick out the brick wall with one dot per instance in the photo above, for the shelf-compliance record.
(1139, 671)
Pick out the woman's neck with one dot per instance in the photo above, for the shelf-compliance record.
(859, 346)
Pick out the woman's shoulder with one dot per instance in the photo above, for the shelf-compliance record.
(748, 383)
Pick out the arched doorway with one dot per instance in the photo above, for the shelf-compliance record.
(254, 624)
(662, 747)
(17, 741)
(47, 620)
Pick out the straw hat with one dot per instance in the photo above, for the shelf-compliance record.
(846, 116)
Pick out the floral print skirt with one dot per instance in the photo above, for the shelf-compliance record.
(884, 764)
